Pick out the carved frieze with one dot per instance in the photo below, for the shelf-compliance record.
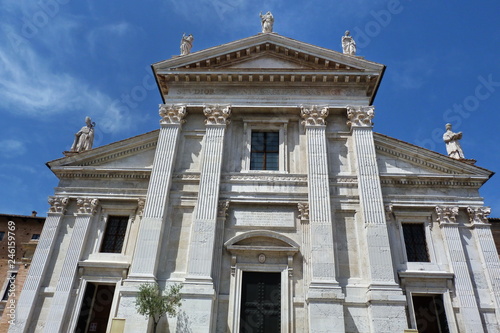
(446, 214)
(314, 115)
(87, 205)
(478, 215)
(217, 114)
(58, 204)
(172, 114)
(360, 116)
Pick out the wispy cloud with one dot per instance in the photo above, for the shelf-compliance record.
(11, 148)
(35, 82)
(412, 73)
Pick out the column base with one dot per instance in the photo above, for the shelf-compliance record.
(326, 310)
(196, 312)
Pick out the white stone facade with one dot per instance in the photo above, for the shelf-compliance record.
(329, 219)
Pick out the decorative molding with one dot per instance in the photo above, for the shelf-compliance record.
(217, 114)
(223, 208)
(58, 204)
(172, 114)
(314, 115)
(360, 116)
(303, 211)
(110, 173)
(87, 206)
(446, 214)
(478, 215)
(120, 154)
(264, 178)
(416, 181)
(414, 159)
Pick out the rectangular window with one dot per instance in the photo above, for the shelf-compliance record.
(35, 237)
(10, 284)
(264, 154)
(2, 234)
(415, 242)
(114, 235)
(430, 314)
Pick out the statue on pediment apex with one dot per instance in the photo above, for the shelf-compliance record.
(348, 44)
(453, 147)
(186, 44)
(84, 138)
(267, 21)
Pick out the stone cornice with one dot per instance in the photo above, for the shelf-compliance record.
(416, 180)
(120, 154)
(92, 173)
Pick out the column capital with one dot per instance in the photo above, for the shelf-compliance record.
(303, 211)
(478, 215)
(58, 204)
(172, 114)
(223, 208)
(313, 115)
(217, 114)
(87, 206)
(446, 214)
(360, 116)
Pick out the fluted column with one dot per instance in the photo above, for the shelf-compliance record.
(478, 218)
(43, 252)
(145, 261)
(324, 295)
(198, 290)
(446, 216)
(59, 305)
(386, 297)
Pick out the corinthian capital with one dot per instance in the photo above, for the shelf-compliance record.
(217, 114)
(172, 114)
(87, 205)
(313, 115)
(360, 116)
(58, 204)
(446, 214)
(478, 215)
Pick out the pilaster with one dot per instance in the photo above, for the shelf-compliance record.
(446, 216)
(387, 303)
(478, 219)
(198, 291)
(324, 295)
(145, 262)
(56, 319)
(43, 252)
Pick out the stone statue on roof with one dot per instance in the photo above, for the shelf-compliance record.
(267, 21)
(348, 44)
(186, 44)
(84, 138)
(453, 147)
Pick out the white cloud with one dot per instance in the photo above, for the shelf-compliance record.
(11, 148)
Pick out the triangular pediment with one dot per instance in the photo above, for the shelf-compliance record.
(277, 50)
(396, 157)
(129, 155)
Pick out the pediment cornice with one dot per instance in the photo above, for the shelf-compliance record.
(428, 159)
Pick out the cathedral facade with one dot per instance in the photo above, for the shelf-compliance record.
(266, 194)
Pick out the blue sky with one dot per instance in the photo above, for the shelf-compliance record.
(61, 60)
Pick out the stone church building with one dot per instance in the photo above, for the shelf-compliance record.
(266, 193)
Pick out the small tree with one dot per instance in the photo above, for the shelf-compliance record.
(151, 303)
